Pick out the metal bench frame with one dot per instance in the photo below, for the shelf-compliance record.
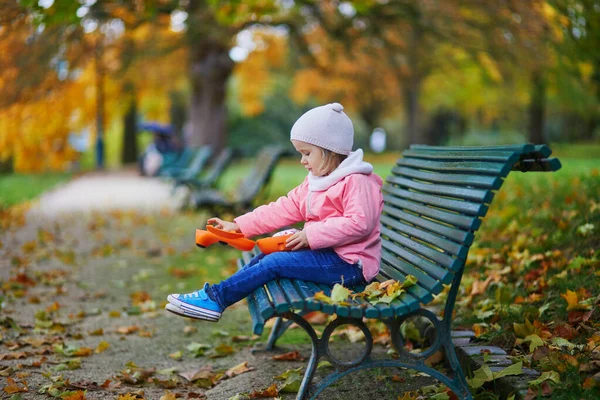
(454, 185)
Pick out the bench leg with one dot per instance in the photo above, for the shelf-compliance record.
(279, 329)
(314, 355)
(460, 386)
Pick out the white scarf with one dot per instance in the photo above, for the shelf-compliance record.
(353, 164)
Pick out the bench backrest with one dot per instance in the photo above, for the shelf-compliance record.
(261, 173)
(434, 200)
(197, 164)
(217, 167)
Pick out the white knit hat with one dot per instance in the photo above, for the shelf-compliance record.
(327, 127)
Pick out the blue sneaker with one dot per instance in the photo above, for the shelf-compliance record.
(184, 313)
(197, 303)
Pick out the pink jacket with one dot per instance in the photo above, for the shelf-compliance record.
(345, 217)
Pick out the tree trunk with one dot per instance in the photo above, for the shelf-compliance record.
(178, 113)
(99, 107)
(130, 150)
(537, 108)
(412, 92)
(211, 67)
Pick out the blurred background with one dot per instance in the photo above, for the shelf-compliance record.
(82, 81)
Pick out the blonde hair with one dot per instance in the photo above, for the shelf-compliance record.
(330, 161)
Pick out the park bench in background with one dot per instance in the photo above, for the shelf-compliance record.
(175, 160)
(192, 169)
(212, 175)
(435, 198)
(248, 189)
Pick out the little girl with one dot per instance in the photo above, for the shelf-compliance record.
(340, 202)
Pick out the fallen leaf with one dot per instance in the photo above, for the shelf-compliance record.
(127, 330)
(290, 356)
(271, 391)
(78, 395)
(238, 369)
(13, 387)
(339, 293)
(102, 346)
(205, 372)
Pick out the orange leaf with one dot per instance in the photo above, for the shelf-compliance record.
(291, 356)
(78, 395)
(127, 330)
(271, 391)
(83, 352)
(13, 387)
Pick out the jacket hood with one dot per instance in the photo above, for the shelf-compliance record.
(353, 164)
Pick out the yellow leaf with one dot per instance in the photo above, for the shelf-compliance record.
(102, 346)
(168, 396)
(571, 298)
(339, 293)
(322, 297)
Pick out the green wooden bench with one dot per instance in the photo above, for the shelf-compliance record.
(435, 199)
(248, 189)
(212, 175)
(191, 170)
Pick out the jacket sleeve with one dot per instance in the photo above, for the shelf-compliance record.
(362, 205)
(264, 219)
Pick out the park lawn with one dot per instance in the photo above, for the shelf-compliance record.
(532, 284)
(18, 188)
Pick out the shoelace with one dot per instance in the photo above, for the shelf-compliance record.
(198, 293)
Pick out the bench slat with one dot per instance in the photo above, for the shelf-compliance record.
(451, 247)
(460, 221)
(307, 293)
(265, 307)
(294, 298)
(544, 165)
(493, 156)
(478, 195)
(519, 148)
(384, 310)
(464, 207)
(258, 322)
(471, 167)
(443, 260)
(327, 308)
(364, 306)
(435, 271)
(341, 310)
(479, 181)
(389, 261)
(279, 299)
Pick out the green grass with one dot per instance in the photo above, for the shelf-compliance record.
(17, 188)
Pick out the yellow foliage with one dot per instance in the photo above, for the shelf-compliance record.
(255, 72)
(35, 127)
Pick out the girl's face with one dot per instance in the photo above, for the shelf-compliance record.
(312, 157)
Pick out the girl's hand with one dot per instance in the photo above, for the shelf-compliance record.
(297, 241)
(223, 225)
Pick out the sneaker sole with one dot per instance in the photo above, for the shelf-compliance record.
(189, 307)
(183, 313)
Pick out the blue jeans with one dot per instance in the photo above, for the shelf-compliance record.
(320, 266)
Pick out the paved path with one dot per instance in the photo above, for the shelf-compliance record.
(121, 190)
